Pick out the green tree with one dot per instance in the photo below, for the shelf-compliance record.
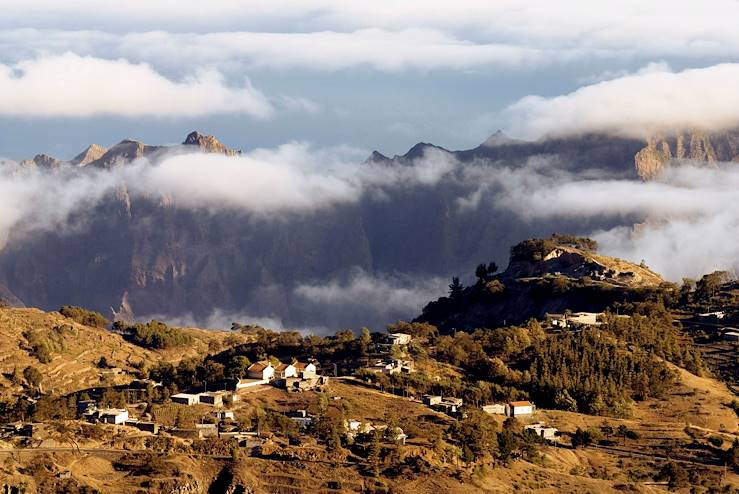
(455, 288)
(33, 377)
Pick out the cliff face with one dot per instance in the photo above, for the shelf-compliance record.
(693, 146)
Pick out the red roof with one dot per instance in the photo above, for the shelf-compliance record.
(521, 403)
(258, 366)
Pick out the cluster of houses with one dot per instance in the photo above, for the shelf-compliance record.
(389, 366)
(294, 377)
(356, 429)
(564, 321)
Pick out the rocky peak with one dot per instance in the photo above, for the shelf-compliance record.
(42, 161)
(90, 154)
(207, 143)
(498, 138)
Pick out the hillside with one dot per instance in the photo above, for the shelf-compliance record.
(543, 277)
(75, 351)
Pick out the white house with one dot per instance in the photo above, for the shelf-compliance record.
(520, 408)
(399, 338)
(224, 415)
(212, 398)
(283, 371)
(543, 431)
(185, 398)
(589, 318)
(430, 400)
(305, 370)
(494, 409)
(261, 370)
(113, 415)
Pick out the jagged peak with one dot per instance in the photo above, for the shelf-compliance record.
(376, 157)
(89, 154)
(207, 143)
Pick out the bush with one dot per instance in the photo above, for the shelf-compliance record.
(157, 335)
(84, 316)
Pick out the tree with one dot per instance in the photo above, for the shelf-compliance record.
(675, 475)
(365, 339)
(103, 363)
(508, 443)
(709, 284)
(455, 288)
(33, 376)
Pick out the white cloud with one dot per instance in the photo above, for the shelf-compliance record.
(625, 28)
(679, 223)
(368, 300)
(638, 105)
(291, 179)
(69, 85)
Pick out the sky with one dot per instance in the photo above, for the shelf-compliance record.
(369, 75)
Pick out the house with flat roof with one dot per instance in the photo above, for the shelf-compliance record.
(520, 408)
(185, 398)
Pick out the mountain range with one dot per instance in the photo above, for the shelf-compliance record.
(146, 256)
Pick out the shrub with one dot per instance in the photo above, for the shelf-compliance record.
(84, 316)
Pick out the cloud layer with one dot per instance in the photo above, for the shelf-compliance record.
(637, 105)
(70, 85)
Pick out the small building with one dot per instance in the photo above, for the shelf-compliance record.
(301, 418)
(283, 371)
(211, 398)
(587, 318)
(206, 430)
(732, 335)
(116, 416)
(86, 406)
(520, 408)
(494, 409)
(399, 339)
(152, 427)
(241, 384)
(430, 400)
(224, 415)
(306, 370)
(185, 398)
(543, 431)
(261, 370)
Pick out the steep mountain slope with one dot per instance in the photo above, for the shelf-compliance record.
(173, 261)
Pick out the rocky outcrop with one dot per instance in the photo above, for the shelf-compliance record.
(688, 146)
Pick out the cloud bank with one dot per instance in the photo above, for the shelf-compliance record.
(681, 224)
(367, 300)
(291, 179)
(638, 105)
(70, 85)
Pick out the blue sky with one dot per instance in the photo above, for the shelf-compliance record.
(373, 75)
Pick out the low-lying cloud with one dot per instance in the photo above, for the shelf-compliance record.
(638, 105)
(291, 179)
(681, 224)
(367, 300)
(69, 85)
